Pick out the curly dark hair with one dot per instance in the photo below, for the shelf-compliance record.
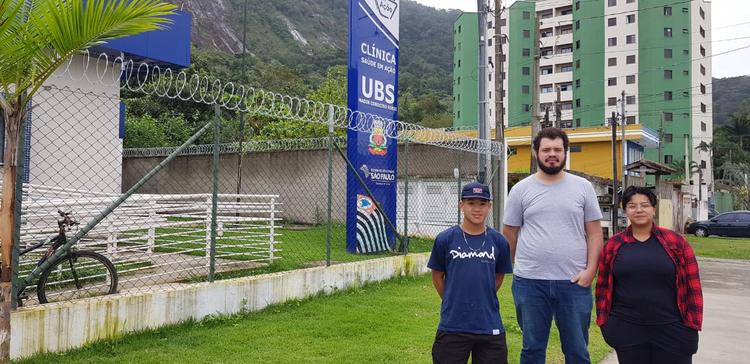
(549, 133)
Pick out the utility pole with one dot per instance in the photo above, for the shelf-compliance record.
(615, 199)
(535, 93)
(623, 143)
(482, 84)
(558, 109)
(499, 181)
(241, 141)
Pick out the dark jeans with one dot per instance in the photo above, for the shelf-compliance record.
(540, 301)
(455, 347)
(643, 344)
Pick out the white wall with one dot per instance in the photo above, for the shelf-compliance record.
(75, 126)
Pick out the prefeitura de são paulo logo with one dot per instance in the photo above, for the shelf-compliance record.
(378, 142)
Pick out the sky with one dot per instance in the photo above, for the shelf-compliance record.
(725, 15)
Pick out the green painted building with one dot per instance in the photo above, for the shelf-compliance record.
(651, 57)
(465, 89)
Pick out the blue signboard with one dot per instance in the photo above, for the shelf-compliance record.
(373, 99)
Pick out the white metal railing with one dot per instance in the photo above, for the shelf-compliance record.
(154, 239)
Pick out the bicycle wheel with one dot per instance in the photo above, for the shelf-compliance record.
(79, 274)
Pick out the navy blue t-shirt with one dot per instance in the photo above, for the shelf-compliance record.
(470, 300)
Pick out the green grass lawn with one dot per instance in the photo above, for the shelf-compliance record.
(390, 322)
(718, 247)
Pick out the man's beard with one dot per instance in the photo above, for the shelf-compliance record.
(551, 170)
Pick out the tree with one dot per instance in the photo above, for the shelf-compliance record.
(37, 38)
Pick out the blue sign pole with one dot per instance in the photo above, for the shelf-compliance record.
(371, 143)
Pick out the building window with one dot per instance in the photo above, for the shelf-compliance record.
(668, 32)
(685, 52)
(526, 52)
(489, 59)
(566, 106)
(578, 5)
(575, 148)
(630, 79)
(703, 70)
(686, 115)
(685, 94)
(667, 138)
(703, 89)
(630, 39)
(578, 122)
(566, 68)
(526, 107)
(546, 33)
(612, 2)
(685, 31)
(612, 61)
(667, 95)
(578, 63)
(668, 116)
(489, 42)
(612, 81)
(566, 87)
(703, 126)
(527, 33)
(526, 15)
(525, 89)
(630, 100)
(578, 44)
(565, 49)
(612, 22)
(703, 164)
(686, 73)
(458, 115)
(630, 19)
(667, 11)
(578, 102)
(702, 13)
(630, 120)
(702, 31)
(667, 159)
(489, 78)
(546, 70)
(578, 24)
(547, 51)
(502, 22)
(612, 41)
(703, 107)
(668, 53)
(703, 51)
(546, 89)
(667, 74)
(525, 71)
(630, 59)
(612, 101)
(578, 83)
(685, 10)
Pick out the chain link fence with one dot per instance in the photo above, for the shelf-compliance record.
(202, 211)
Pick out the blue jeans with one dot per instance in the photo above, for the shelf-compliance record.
(537, 303)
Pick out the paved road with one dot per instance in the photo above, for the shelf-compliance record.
(726, 317)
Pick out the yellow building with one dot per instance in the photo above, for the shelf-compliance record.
(590, 148)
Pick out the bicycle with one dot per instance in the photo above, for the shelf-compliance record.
(76, 274)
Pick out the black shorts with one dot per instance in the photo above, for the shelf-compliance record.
(455, 347)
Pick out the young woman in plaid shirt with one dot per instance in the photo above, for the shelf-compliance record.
(649, 303)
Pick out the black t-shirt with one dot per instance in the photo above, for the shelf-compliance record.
(644, 284)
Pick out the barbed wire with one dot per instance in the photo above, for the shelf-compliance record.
(155, 80)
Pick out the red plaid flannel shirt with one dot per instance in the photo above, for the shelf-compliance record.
(689, 294)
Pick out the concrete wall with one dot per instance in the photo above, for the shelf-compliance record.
(60, 327)
(300, 178)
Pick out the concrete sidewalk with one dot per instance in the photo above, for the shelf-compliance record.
(726, 316)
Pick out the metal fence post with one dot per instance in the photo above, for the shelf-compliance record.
(329, 228)
(406, 196)
(214, 192)
(17, 217)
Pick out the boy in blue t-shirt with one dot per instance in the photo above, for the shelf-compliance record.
(468, 263)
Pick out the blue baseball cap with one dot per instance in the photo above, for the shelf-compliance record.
(476, 190)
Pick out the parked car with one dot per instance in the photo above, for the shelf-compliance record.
(734, 223)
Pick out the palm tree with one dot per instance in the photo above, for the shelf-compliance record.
(37, 37)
